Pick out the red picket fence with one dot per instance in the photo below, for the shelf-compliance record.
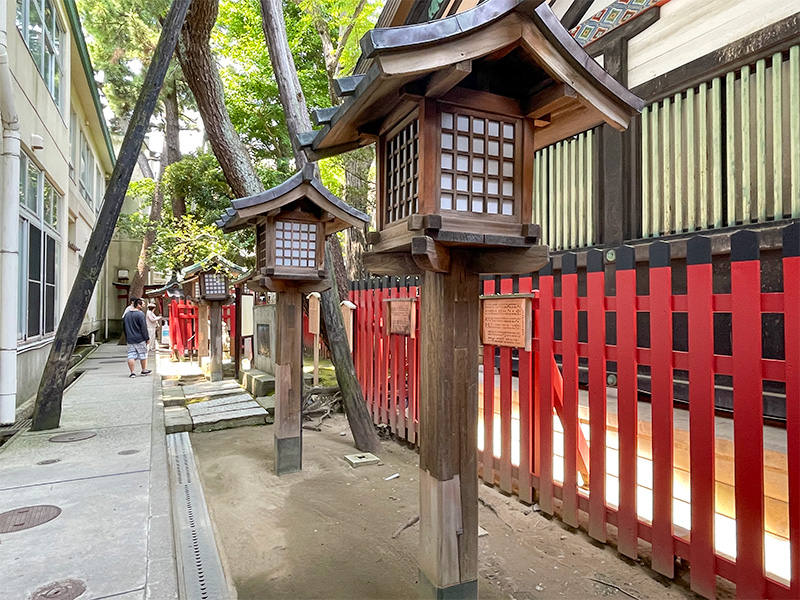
(183, 318)
(721, 492)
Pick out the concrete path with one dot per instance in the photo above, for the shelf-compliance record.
(114, 533)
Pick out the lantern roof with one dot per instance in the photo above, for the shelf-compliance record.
(215, 261)
(515, 49)
(302, 185)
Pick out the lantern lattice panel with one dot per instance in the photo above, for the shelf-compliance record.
(215, 284)
(477, 164)
(295, 244)
(402, 173)
(261, 245)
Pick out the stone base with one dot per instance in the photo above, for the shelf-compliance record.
(288, 455)
(467, 590)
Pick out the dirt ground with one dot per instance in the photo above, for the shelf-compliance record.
(327, 532)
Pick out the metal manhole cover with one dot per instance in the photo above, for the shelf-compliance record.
(62, 590)
(48, 461)
(27, 517)
(127, 452)
(75, 436)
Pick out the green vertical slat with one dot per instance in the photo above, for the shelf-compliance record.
(666, 162)
(761, 139)
(551, 199)
(559, 239)
(702, 151)
(573, 194)
(777, 135)
(647, 154)
(716, 151)
(564, 170)
(591, 205)
(680, 224)
(535, 215)
(691, 163)
(582, 200)
(747, 186)
(541, 183)
(730, 132)
(655, 186)
(794, 126)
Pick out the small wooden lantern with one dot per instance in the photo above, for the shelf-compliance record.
(213, 286)
(292, 222)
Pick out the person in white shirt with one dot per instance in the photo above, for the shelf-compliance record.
(152, 323)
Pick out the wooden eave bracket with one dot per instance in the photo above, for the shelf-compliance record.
(430, 255)
(509, 261)
(551, 99)
(391, 263)
(288, 285)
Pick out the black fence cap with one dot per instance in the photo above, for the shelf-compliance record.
(659, 254)
(546, 270)
(594, 260)
(626, 258)
(744, 246)
(569, 263)
(791, 240)
(698, 250)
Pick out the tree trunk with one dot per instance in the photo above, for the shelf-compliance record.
(202, 76)
(297, 120)
(47, 409)
(357, 193)
(172, 134)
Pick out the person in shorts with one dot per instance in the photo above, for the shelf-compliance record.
(137, 336)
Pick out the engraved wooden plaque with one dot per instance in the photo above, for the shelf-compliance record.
(402, 316)
(313, 313)
(506, 322)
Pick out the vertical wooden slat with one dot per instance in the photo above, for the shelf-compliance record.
(582, 198)
(702, 154)
(505, 405)
(596, 339)
(747, 208)
(551, 199)
(791, 292)
(564, 196)
(627, 402)
(402, 375)
(794, 120)
(716, 152)
(666, 166)
(748, 426)
(699, 279)
(413, 371)
(777, 135)
(569, 367)
(393, 362)
(646, 161)
(655, 180)
(573, 194)
(545, 376)
(730, 146)
(488, 402)
(383, 372)
(556, 198)
(680, 201)
(761, 139)
(661, 406)
(590, 204)
(525, 413)
(691, 163)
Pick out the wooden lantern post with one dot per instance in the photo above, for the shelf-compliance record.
(457, 108)
(292, 222)
(313, 329)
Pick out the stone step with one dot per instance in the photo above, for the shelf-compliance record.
(195, 410)
(230, 419)
(202, 389)
(177, 419)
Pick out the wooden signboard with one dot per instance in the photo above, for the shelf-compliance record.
(313, 313)
(506, 322)
(402, 316)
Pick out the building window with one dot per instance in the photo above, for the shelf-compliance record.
(402, 176)
(99, 190)
(74, 144)
(40, 27)
(39, 256)
(87, 171)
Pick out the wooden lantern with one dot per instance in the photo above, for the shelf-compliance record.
(457, 108)
(213, 286)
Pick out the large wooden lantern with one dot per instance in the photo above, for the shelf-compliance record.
(457, 108)
(292, 222)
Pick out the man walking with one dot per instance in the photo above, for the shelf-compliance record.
(137, 336)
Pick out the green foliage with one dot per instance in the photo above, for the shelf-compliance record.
(198, 179)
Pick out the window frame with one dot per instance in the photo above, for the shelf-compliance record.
(52, 36)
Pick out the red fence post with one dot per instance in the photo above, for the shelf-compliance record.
(569, 367)
(506, 287)
(661, 394)
(525, 413)
(413, 368)
(545, 375)
(748, 430)
(627, 401)
(791, 307)
(488, 402)
(596, 339)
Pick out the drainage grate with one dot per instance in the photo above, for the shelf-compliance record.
(69, 589)
(27, 517)
(127, 452)
(48, 461)
(75, 436)
(200, 568)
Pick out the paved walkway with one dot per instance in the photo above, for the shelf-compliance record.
(114, 533)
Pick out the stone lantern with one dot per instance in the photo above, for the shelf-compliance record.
(456, 109)
(292, 221)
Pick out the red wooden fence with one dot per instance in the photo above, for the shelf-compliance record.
(183, 324)
(669, 474)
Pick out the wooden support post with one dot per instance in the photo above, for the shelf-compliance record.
(288, 383)
(215, 315)
(448, 562)
(202, 332)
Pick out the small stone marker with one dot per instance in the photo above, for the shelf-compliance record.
(360, 460)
